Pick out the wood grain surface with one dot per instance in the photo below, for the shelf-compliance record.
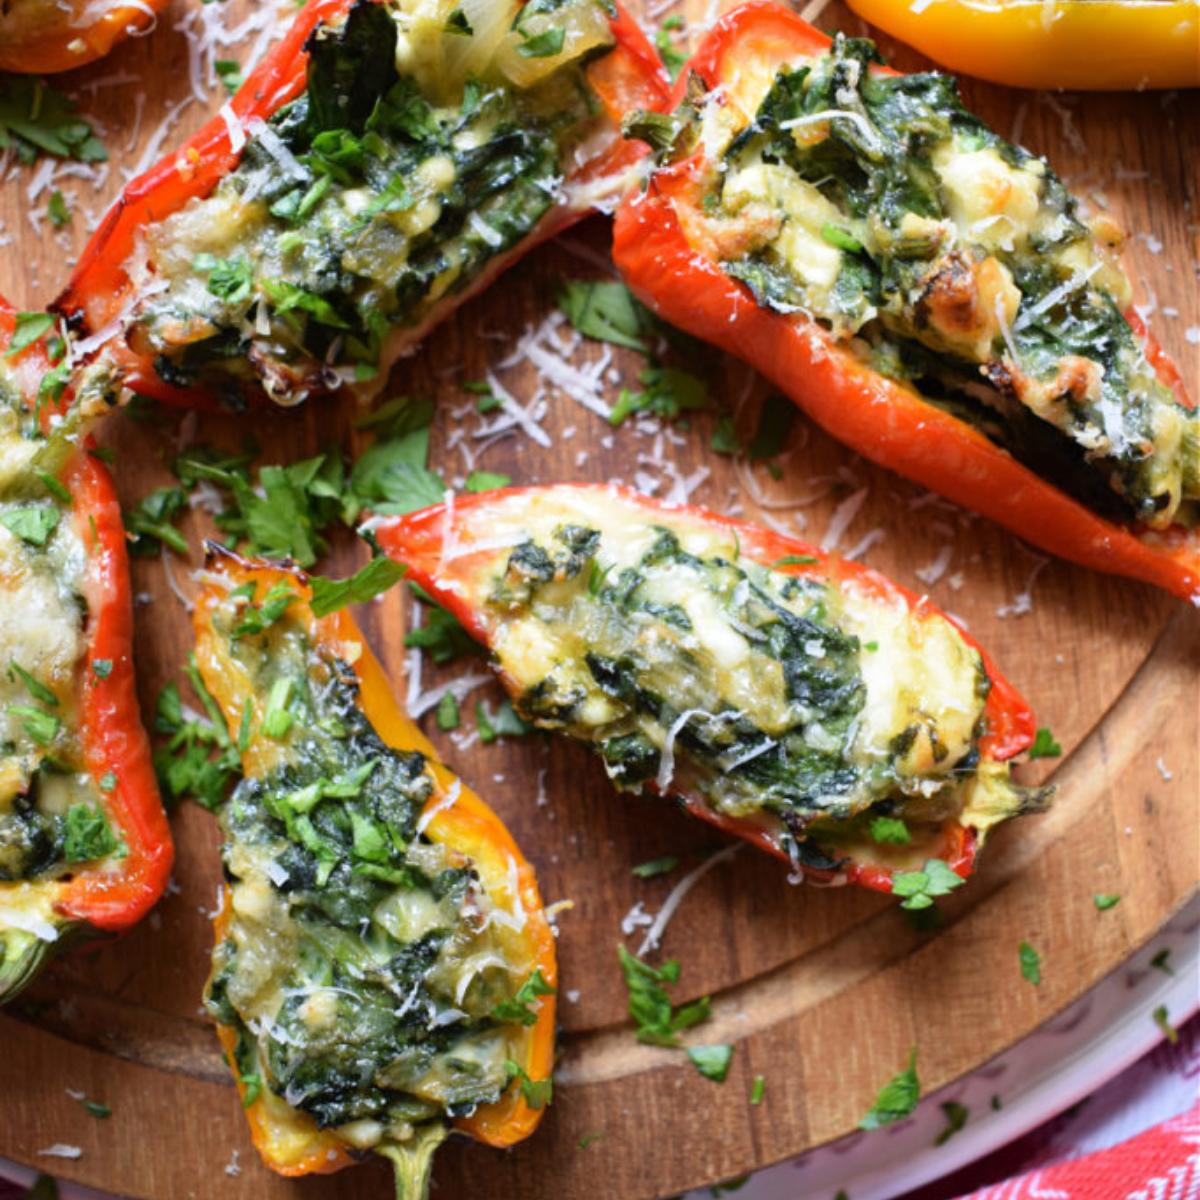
(823, 992)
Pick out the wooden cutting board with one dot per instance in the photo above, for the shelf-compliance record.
(823, 992)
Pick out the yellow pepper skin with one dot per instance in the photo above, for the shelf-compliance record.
(1082, 45)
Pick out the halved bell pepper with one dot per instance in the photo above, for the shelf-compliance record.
(1084, 45)
(896, 322)
(85, 849)
(792, 698)
(40, 37)
(378, 192)
(383, 969)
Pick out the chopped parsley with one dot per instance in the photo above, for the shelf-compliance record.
(897, 1098)
(519, 1009)
(199, 758)
(229, 73)
(328, 595)
(503, 721)
(447, 713)
(656, 1021)
(57, 210)
(41, 726)
(672, 58)
(37, 119)
(38, 690)
(1163, 1021)
(87, 834)
(102, 667)
(1162, 962)
(537, 1092)
(669, 392)
(1105, 900)
(712, 1061)
(151, 522)
(1044, 745)
(485, 481)
(920, 887)
(1031, 963)
(606, 311)
(656, 866)
(32, 523)
(94, 1108)
(956, 1118)
(890, 831)
(758, 1089)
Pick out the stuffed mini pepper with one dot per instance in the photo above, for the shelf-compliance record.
(926, 291)
(384, 971)
(799, 701)
(387, 161)
(40, 37)
(85, 849)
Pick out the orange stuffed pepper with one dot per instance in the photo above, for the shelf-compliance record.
(384, 971)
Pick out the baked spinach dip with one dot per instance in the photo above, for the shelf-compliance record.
(373, 983)
(945, 257)
(807, 706)
(431, 139)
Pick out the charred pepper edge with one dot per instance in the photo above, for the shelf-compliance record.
(99, 290)
(417, 540)
(469, 826)
(842, 394)
(93, 903)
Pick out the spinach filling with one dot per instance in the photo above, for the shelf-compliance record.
(358, 968)
(950, 258)
(363, 203)
(715, 674)
(51, 815)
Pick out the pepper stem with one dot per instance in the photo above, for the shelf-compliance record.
(413, 1160)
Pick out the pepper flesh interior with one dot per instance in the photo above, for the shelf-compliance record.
(941, 255)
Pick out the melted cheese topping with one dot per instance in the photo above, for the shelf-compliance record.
(651, 638)
(362, 972)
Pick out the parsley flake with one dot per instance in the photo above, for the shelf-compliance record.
(537, 1092)
(712, 1061)
(1106, 900)
(1044, 745)
(897, 1098)
(890, 831)
(518, 1010)
(1163, 1021)
(656, 866)
(649, 1004)
(1031, 963)
(920, 887)
(956, 1118)
(328, 595)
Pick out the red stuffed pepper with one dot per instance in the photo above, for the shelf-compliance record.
(376, 170)
(924, 290)
(39, 37)
(85, 848)
(799, 701)
(384, 970)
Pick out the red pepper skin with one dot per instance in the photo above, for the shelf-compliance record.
(103, 901)
(100, 290)
(886, 421)
(419, 539)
